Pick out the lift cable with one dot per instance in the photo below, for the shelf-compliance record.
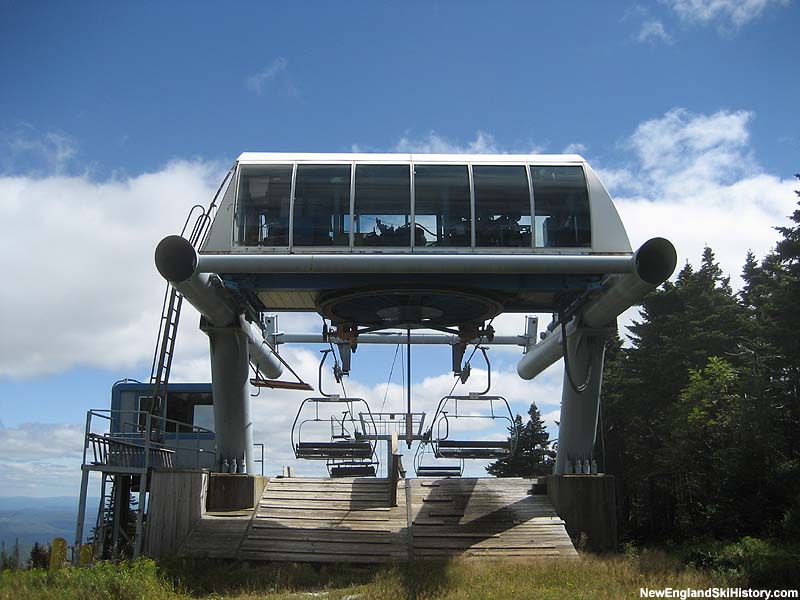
(389, 381)
(403, 374)
(408, 376)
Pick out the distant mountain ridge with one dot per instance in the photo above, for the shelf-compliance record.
(32, 519)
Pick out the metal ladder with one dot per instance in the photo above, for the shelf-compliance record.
(171, 308)
(110, 538)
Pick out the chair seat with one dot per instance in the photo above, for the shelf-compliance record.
(342, 449)
(352, 471)
(472, 453)
(443, 471)
(497, 444)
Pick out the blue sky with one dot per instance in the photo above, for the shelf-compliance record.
(116, 117)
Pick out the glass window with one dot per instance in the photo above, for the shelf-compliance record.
(204, 417)
(502, 206)
(561, 201)
(322, 205)
(383, 205)
(441, 205)
(263, 213)
(183, 407)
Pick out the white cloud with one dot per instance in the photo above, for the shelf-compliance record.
(51, 152)
(39, 459)
(35, 441)
(81, 288)
(575, 148)
(653, 32)
(725, 13)
(694, 180)
(434, 143)
(257, 82)
(41, 478)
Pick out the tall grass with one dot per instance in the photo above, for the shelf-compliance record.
(460, 579)
(592, 577)
(137, 580)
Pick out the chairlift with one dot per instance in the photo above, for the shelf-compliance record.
(346, 447)
(426, 464)
(352, 468)
(446, 439)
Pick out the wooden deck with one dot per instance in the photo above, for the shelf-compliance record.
(349, 520)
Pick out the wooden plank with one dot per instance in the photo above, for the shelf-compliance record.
(329, 481)
(343, 520)
(376, 499)
(319, 557)
(331, 515)
(324, 547)
(496, 544)
(425, 553)
(300, 524)
(325, 535)
(449, 531)
(381, 495)
(281, 385)
(336, 482)
(338, 506)
(322, 520)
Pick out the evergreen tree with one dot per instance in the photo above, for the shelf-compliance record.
(9, 560)
(533, 455)
(701, 415)
(777, 357)
(39, 557)
(681, 326)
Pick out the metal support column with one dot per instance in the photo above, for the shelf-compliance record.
(76, 553)
(579, 410)
(231, 390)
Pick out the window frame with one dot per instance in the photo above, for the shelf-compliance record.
(447, 249)
(501, 249)
(238, 206)
(412, 247)
(293, 248)
(562, 249)
(353, 190)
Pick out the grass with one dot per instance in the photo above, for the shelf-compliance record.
(591, 577)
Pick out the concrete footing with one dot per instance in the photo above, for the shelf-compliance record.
(233, 492)
(588, 506)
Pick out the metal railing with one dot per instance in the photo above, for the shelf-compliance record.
(387, 423)
(260, 460)
(124, 439)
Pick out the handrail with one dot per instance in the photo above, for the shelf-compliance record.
(133, 434)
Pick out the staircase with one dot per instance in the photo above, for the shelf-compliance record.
(303, 519)
(326, 520)
(484, 517)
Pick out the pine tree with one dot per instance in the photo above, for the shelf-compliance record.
(9, 560)
(775, 353)
(533, 455)
(681, 326)
(39, 557)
